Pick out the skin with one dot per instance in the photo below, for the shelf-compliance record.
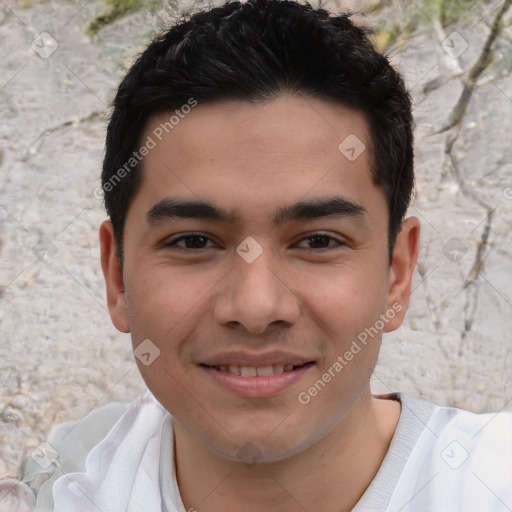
(253, 158)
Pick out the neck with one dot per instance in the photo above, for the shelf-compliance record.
(335, 472)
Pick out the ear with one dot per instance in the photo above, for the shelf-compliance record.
(116, 299)
(405, 255)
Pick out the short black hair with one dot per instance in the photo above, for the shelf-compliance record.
(254, 51)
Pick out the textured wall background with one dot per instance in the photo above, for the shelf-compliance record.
(60, 356)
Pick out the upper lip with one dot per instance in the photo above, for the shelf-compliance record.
(256, 360)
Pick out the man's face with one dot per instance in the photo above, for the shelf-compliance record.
(257, 290)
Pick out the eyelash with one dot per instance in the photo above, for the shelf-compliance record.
(173, 243)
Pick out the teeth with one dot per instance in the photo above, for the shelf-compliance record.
(247, 371)
(235, 370)
(251, 371)
(265, 371)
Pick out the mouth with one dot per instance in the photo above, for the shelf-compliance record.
(258, 371)
(257, 381)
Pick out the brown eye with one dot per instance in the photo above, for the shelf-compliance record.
(192, 241)
(321, 241)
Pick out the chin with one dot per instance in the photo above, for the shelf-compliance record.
(257, 448)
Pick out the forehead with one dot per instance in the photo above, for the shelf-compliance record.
(234, 152)
(296, 125)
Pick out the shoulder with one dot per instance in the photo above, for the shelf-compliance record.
(473, 437)
(66, 448)
(461, 461)
(74, 449)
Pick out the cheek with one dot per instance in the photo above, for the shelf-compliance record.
(348, 307)
(159, 300)
(349, 299)
(164, 308)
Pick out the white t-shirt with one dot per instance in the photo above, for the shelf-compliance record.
(441, 459)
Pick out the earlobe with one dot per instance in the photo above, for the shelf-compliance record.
(116, 301)
(405, 255)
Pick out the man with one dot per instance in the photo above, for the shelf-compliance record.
(257, 173)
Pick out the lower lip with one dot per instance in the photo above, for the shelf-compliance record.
(256, 387)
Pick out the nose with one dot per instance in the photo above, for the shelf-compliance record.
(256, 295)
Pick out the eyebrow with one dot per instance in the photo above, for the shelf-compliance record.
(332, 207)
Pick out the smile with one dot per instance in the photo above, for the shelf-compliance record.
(256, 381)
(252, 371)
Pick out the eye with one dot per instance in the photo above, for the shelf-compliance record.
(192, 241)
(321, 239)
(198, 241)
